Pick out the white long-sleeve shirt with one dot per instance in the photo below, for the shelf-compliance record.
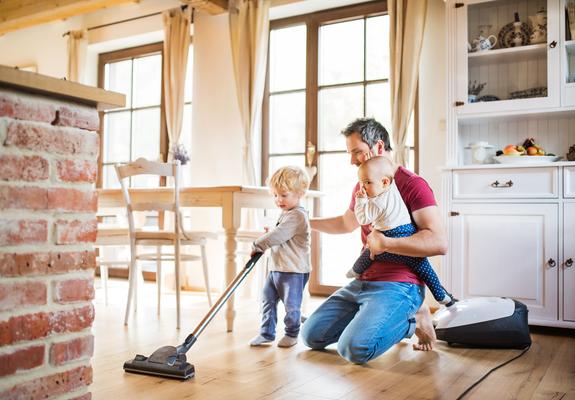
(385, 211)
(289, 242)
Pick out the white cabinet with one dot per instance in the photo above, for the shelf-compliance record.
(507, 250)
(515, 73)
(568, 262)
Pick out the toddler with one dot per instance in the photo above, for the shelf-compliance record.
(379, 203)
(289, 244)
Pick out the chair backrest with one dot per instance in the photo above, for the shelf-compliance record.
(145, 167)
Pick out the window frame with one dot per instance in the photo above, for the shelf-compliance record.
(127, 54)
(313, 22)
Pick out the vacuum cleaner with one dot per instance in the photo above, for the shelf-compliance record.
(489, 322)
(170, 361)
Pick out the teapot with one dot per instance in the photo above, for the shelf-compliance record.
(482, 43)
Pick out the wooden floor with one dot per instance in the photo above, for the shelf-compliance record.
(228, 368)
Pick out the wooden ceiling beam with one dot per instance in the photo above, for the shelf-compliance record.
(212, 7)
(20, 14)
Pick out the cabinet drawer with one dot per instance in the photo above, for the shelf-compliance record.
(569, 182)
(506, 183)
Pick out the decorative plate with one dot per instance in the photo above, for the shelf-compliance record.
(507, 34)
(488, 97)
(525, 159)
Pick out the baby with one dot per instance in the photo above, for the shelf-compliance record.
(379, 203)
(289, 244)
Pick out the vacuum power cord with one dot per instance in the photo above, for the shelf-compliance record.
(462, 395)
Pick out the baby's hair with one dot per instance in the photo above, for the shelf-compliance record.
(290, 179)
(382, 166)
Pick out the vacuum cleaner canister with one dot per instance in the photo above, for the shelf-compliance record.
(492, 322)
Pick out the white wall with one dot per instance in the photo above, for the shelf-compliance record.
(432, 103)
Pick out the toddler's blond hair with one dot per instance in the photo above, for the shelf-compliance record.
(289, 179)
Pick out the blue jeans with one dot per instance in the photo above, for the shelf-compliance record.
(287, 287)
(365, 319)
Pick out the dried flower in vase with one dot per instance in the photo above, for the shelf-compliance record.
(475, 88)
(180, 153)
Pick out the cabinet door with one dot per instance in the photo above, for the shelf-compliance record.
(504, 250)
(519, 71)
(568, 261)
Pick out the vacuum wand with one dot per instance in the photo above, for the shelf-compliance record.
(192, 337)
(170, 361)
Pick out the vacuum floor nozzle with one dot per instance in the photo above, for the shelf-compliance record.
(142, 365)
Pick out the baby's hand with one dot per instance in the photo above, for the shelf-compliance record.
(361, 192)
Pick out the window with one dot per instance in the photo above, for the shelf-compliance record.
(325, 70)
(138, 129)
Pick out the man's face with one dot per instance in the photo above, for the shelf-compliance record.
(359, 150)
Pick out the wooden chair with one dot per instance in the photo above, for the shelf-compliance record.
(175, 237)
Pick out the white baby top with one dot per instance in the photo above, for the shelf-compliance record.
(385, 211)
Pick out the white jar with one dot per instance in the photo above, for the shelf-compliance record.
(479, 153)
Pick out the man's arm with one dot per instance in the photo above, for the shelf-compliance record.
(430, 239)
(342, 224)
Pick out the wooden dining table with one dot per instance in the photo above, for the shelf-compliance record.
(231, 200)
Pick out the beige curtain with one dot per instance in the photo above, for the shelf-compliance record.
(407, 23)
(76, 55)
(176, 46)
(249, 28)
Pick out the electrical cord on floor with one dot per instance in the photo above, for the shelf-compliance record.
(477, 382)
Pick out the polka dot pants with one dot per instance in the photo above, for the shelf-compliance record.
(419, 265)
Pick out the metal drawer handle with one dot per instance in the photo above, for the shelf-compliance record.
(569, 263)
(551, 262)
(507, 184)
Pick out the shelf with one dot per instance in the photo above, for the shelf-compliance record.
(570, 47)
(514, 115)
(505, 55)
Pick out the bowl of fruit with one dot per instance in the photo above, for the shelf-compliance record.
(527, 153)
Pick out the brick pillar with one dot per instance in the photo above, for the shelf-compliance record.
(48, 166)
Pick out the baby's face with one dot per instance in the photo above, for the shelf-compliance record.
(373, 184)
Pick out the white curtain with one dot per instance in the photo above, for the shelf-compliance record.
(249, 28)
(176, 47)
(76, 55)
(407, 23)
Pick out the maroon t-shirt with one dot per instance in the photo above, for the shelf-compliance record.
(416, 194)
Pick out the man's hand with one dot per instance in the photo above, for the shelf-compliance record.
(375, 242)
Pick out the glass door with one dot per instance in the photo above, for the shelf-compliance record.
(508, 54)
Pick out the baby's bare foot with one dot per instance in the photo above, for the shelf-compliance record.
(424, 329)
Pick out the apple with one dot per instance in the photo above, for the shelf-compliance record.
(511, 150)
(541, 152)
(532, 151)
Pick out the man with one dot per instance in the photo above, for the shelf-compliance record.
(375, 311)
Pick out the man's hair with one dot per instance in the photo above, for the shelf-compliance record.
(370, 132)
(290, 179)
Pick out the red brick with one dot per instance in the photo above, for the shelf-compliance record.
(55, 140)
(25, 197)
(28, 358)
(24, 327)
(76, 231)
(72, 320)
(85, 396)
(64, 352)
(15, 232)
(78, 117)
(72, 200)
(23, 168)
(77, 170)
(14, 295)
(26, 108)
(51, 385)
(73, 290)
(26, 264)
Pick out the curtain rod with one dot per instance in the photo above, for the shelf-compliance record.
(183, 7)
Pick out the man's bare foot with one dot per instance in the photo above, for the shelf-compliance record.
(424, 329)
